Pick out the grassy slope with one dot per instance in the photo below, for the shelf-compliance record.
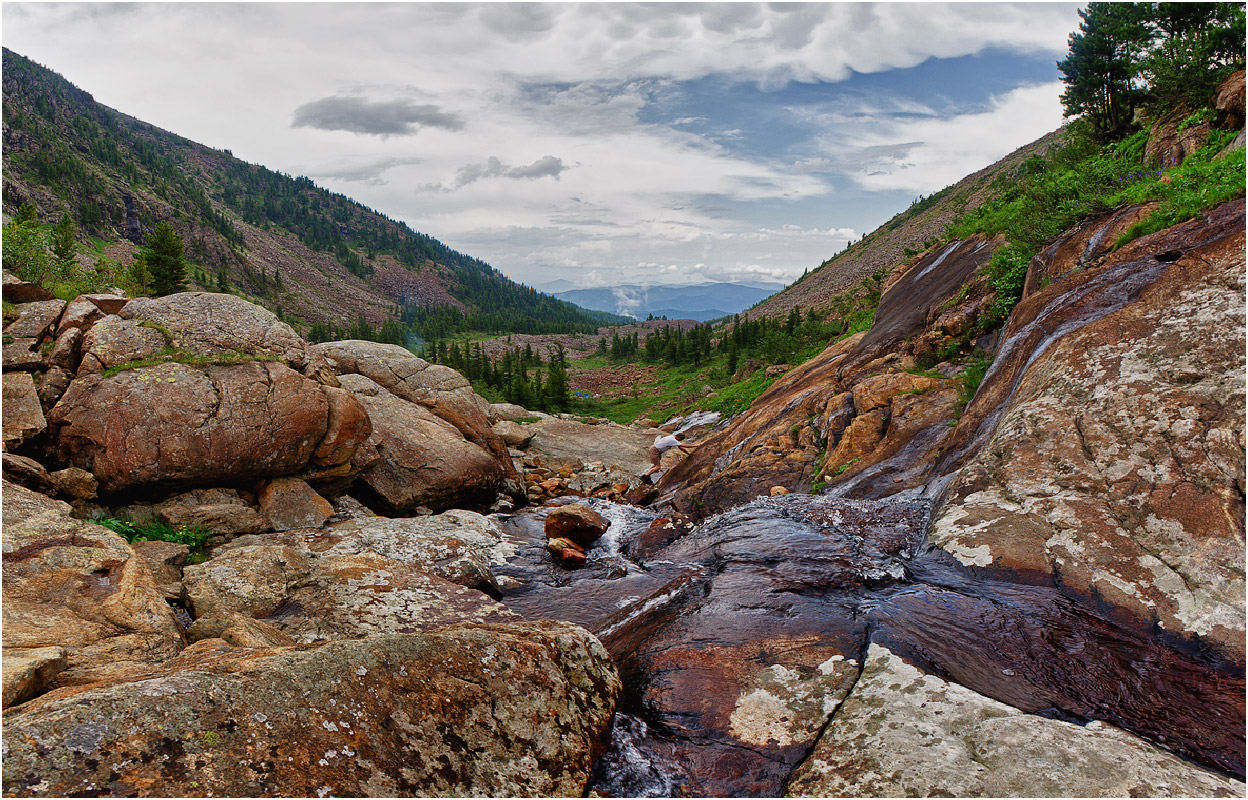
(906, 233)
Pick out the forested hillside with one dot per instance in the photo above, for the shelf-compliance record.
(315, 256)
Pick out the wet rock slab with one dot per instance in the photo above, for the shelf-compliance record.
(905, 733)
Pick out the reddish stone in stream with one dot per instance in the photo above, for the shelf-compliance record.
(582, 525)
(567, 552)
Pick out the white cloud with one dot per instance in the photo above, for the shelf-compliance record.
(549, 91)
(929, 154)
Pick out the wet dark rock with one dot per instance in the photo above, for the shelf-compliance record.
(740, 638)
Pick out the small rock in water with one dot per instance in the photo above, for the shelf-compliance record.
(567, 552)
(576, 522)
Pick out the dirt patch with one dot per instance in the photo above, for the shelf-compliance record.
(611, 382)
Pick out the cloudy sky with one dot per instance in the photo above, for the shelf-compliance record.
(597, 143)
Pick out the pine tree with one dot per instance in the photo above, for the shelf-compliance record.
(27, 213)
(557, 389)
(64, 245)
(140, 276)
(165, 260)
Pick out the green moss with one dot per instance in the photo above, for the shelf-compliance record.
(841, 469)
(175, 356)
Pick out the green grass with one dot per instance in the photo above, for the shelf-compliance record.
(176, 356)
(1081, 179)
(193, 537)
(841, 469)
(972, 378)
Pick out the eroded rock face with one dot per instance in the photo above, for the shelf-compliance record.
(382, 717)
(1116, 468)
(438, 389)
(77, 586)
(1168, 145)
(362, 577)
(23, 415)
(841, 403)
(173, 425)
(423, 459)
(904, 733)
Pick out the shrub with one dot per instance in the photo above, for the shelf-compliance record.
(194, 537)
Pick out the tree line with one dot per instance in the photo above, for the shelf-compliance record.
(1154, 57)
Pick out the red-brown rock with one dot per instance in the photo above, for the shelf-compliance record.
(291, 503)
(173, 424)
(582, 525)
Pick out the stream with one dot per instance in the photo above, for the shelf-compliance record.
(737, 639)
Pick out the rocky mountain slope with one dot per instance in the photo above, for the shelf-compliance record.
(284, 242)
(905, 234)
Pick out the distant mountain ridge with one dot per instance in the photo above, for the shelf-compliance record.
(281, 241)
(701, 302)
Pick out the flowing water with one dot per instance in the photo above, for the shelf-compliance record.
(779, 599)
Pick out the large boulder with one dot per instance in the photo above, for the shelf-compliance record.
(113, 342)
(28, 671)
(438, 389)
(208, 324)
(368, 576)
(460, 546)
(904, 733)
(255, 580)
(77, 586)
(423, 459)
(17, 290)
(180, 389)
(22, 412)
(291, 503)
(580, 524)
(1105, 450)
(174, 424)
(35, 320)
(222, 512)
(561, 441)
(502, 710)
(349, 596)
